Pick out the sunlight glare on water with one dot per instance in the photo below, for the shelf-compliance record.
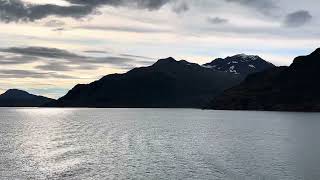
(157, 144)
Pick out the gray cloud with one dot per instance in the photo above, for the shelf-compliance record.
(255, 3)
(96, 52)
(16, 59)
(135, 56)
(265, 6)
(42, 52)
(124, 29)
(54, 59)
(65, 67)
(17, 10)
(276, 32)
(32, 74)
(180, 7)
(55, 66)
(143, 4)
(297, 19)
(217, 20)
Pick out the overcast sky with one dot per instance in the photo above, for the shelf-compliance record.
(48, 46)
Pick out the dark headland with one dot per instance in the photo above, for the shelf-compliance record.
(293, 88)
(19, 98)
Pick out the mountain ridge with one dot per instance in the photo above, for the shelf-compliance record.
(166, 83)
(292, 88)
(20, 98)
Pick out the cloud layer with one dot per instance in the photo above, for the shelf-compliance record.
(18, 10)
(265, 6)
(58, 60)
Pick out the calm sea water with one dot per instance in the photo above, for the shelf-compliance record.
(158, 144)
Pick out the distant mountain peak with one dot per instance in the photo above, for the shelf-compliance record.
(15, 92)
(20, 98)
(164, 61)
(316, 52)
(247, 57)
(312, 60)
(170, 61)
(171, 58)
(239, 64)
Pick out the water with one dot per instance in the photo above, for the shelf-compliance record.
(158, 144)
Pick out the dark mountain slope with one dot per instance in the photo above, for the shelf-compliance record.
(240, 64)
(167, 83)
(18, 98)
(294, 88)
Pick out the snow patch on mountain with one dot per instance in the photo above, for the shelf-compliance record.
(239, 64)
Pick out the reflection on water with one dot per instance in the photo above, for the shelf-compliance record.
(158, 144)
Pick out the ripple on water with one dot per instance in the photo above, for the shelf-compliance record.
(157, 144)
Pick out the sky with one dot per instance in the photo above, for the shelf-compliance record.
(49, 46)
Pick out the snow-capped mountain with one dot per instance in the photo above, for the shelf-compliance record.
(239, 64)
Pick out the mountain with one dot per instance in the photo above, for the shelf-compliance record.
(240, 64)
(18, 98)
(293, 88)
(167, 83)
